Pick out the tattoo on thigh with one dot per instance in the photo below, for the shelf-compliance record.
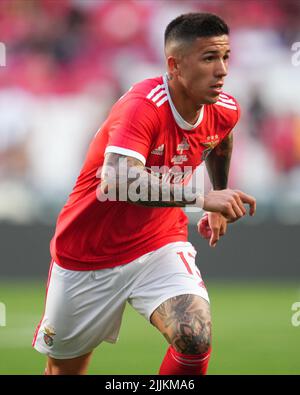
(185, 324)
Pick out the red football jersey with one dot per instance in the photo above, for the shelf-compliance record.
(143, 124)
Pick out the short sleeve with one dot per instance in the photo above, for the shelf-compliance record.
(236, 116)
(133, 126)
(226, 115)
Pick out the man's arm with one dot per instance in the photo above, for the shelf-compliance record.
(127, 171)
(218, 163)
(127, 176)
(213, 225)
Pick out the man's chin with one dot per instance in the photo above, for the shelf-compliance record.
(211, 99)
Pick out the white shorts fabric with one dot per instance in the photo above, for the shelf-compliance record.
(84, 308)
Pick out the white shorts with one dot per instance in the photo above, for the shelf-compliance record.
(84, 308)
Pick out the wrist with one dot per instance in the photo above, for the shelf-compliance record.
(199, 202)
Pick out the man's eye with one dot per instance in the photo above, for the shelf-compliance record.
(209, 59)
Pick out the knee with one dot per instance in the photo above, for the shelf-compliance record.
(190, 339)
(185, 322)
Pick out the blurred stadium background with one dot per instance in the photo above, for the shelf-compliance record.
(67, 61)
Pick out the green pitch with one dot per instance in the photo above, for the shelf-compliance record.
(252, 333)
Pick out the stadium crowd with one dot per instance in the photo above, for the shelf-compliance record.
(67, 61)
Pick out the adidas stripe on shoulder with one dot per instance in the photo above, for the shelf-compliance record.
(227, 102)
(158, 95)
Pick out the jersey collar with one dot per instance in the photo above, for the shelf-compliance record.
(178, 118)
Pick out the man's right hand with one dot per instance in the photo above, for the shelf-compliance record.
(230, 203)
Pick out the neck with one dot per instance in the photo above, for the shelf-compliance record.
(183, 104)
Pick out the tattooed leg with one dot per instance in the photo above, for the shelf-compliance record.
(185, 322)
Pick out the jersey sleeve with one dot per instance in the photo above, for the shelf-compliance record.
(236, 117)
(231, 112)
(228, 113)
(133, 128)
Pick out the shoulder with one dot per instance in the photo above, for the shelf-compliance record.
(150, 89)
(143, 97)
(226, 110)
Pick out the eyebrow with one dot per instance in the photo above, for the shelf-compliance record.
(214, 52)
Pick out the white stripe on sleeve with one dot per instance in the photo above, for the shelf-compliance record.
(125, 151)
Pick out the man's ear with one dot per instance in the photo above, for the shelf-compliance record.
(173, 66)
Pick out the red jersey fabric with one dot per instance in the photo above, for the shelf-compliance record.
(144, 124)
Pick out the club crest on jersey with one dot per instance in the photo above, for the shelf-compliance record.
(211, 143)
(159, 150)
(183, 146)
(48, 335)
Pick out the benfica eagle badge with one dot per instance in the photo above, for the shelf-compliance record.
(210, 144)
(48, 335)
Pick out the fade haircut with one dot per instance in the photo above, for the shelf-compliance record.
(187, 27)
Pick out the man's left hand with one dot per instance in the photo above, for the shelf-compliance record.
(212, 226)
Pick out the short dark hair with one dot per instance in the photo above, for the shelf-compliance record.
(188, 27)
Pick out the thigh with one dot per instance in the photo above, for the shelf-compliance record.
(83, 308)
(168, 272)
(185, 322)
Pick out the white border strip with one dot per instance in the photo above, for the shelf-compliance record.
(154, 90)
(158, 95)
(228, 101)
(178, 118)
(125, 151)
(159, 103)
(219, 103)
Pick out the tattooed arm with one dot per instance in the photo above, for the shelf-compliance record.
(128, 180)
(131, 182)
(214, 225)
(218, 163)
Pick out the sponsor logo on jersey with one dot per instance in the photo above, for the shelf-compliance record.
(183, 146)
(159, 150)
(174, 175)
(179, 159)
(48, 335)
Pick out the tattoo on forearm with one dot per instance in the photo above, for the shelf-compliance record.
(218, 163)
(149, 184)
(185, 326)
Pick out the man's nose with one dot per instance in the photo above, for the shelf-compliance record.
(221, 69)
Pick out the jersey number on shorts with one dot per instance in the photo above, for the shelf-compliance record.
(188, 268)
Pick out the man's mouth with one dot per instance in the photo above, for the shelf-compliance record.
(217, 86)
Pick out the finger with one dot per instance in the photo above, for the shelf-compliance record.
(252, 209)
(223, 228)
(249, 200)
(215, 236)
(240, 203)
(237, 209)
(229, 213)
